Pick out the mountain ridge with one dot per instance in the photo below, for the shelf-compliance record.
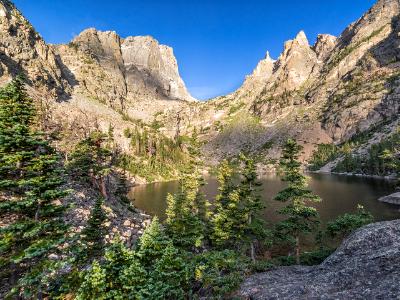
(322, 93)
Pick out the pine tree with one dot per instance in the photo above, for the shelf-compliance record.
(152, 243)
(301, 218)
(94, 232)
(122, 188)
(226, 204)
(187, 214)
(120, 276)
(91, 161)
(93, 284)
(30, 187)
(252, 206)
(237, 221)
(168, 275)
(156, 270)
(169, 278)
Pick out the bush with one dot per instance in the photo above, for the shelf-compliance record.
(347, 223)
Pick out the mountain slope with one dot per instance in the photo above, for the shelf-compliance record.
(323, 93)
(329, 92)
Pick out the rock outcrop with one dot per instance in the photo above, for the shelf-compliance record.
(393, 199)
(22, 50)
(324, 45)
(322, 93)
(328, 92)
(120, 72)
(152, 66)
(135, 76)
(366, 266)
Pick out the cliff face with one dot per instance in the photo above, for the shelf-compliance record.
(120, 72)
(322, 93)
(23, 50)
(125, 74)
(96, 81)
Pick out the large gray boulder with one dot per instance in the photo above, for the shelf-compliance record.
(393, 198)
(365, 266)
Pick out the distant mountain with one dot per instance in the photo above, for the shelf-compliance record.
(328, 92)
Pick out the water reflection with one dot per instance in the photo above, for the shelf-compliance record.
(340, 194)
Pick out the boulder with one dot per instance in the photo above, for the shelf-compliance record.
(365, 266)
(393, 198)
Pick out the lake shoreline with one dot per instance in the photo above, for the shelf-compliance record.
(387, 178)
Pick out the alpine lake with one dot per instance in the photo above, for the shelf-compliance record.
(340, 194)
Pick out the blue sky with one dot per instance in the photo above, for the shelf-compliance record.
(216, 42)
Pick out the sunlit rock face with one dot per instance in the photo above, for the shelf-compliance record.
(365, 266)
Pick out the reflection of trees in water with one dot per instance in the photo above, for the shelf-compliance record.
(340, 194)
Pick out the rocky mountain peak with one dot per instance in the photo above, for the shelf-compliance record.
(3, 11)
(371, 23)
(264, 68)
(260, 74)
(295, 64)
(301, 38)
(268, 57)
(324, 45)
(144, 55)
(22, 50)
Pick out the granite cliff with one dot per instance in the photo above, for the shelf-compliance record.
(328, 92)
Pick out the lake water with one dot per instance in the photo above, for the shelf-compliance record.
(340, 194)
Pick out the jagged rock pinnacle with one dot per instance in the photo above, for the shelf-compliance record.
(301, 38)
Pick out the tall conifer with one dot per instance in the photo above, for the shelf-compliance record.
(301, 218)
(30, 185)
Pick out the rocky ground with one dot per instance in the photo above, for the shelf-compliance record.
(365, 266)
(122, 220)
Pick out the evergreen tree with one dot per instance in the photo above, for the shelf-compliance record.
(94, 232)
(120, 276)
(188, 210)
(187, 214)
(226, 204)
(152, 243)
(169, 277)
(155, 271)
(91, 161)
(237, 221)
(254, 230)
(122, 188)
(301, 218)
(345, 224)
(30, 185)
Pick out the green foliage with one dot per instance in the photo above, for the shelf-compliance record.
(226, 205)
(235, 108)
(347, 223)
(156, 270)
(322, 155)
(187, 214)
(120, 276)
(30, 184)
(300, 217)
(153, 155)
(237, 221)
(91, 159)
(93, 234)
(219, 272)
(152, 243)
(382, 158)
(307, 258)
